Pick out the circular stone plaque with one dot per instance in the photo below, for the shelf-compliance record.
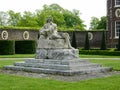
(90, 35)
(4, 35)
(26, 35)
(117, 13)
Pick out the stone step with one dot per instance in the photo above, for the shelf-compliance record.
(61, 62)
(58, 67)
(61, 72)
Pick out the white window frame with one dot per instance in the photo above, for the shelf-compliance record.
(117, 33)
(117, 5)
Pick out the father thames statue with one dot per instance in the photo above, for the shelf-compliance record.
(53, 44)
(50, 38)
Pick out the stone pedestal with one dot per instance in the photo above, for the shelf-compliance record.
(56, 54)
(58, 61)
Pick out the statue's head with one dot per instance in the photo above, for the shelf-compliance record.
(49, 19)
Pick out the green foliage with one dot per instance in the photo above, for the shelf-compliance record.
(14, 18)
(102, 23)
(20, 28)
(25, 47)
(94, 23)
(28, 20)
(3, 18)
(62, 17)
(87, 43)
(98, 24)
(103, 44)
(100, 52)
(74, 44)
(7, 47)
(119, 42)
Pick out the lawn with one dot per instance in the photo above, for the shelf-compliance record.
(8, 62)
(97, 56)
(115, 64)
(18, 56)
(11, 82)
(33, 55)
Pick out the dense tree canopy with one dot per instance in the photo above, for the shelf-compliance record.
(65, 19)
(98, 24)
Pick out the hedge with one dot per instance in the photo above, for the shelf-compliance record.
(20, 28)
(100, 52)
(7, 47)
(25, 47)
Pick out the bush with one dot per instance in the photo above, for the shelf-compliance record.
(7, 47)
(119, 42)
(87, 44)
(103, 44)
(74, 44)
(25, 47)
(100, 52)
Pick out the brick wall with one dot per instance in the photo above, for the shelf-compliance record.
(16, 34)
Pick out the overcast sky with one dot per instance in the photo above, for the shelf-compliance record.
(87, 8)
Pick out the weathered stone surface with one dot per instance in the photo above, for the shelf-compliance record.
(62, 67)
(52, 43)
(59, 54)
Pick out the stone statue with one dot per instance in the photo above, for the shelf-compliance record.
(50, 38)
(54, 55)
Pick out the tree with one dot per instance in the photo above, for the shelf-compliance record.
(28, 20)
(74, 44)
(94, 23)
(72, 19)
(14, 18)
(103, 44)
(87, 44)
(102, 23)
(62, 17)
(3, 18)
(53, 10)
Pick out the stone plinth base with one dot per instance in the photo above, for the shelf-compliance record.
(58, 61)
(61, 67)
(57, 54)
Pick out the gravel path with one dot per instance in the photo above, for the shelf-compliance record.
(74, 78)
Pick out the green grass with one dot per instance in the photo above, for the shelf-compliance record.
(97, 56)
(8, 62)
(18, 56)
(32, 56)
(10, 82)
(115, 64)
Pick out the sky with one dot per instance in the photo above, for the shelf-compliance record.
(87, 8)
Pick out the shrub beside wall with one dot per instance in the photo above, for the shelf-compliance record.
(100, 52)
(7, 47)
(25, 47)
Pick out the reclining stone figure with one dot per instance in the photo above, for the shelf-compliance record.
(50, 38)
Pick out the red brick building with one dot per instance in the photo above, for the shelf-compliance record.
(113, 23)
